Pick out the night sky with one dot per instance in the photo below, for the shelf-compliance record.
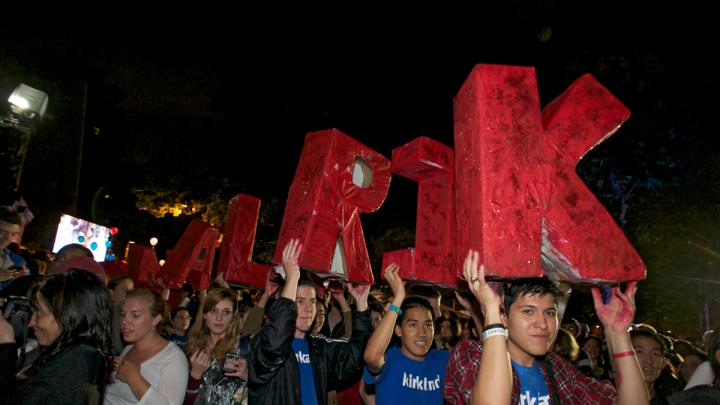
(175, 100)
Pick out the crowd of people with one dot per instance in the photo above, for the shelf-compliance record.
(90, 339)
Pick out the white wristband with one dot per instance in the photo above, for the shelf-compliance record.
(494, 332)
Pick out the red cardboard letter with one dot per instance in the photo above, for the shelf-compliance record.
(580, 239)
(238, 243)
(431, 164)
(142, 265)
(512, 167)
(497, 134)
(192, 258)
(323, 205)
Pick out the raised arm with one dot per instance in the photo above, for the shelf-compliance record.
(273, 344)
(291, 255)
(616, 317)
(346, 356)
(380, 339)
(494, 380)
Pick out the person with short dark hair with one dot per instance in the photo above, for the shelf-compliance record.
(652, 351)
(288, 365)
(412, 373)
(72, 323)
(179, 325)
(514, 363)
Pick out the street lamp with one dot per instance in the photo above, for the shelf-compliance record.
(153, 242)
(27, 104)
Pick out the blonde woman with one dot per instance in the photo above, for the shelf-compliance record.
(214, 334)
(150, 370)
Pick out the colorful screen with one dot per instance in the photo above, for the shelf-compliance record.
(75, 230)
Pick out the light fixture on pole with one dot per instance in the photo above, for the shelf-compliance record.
(28, 102)
(153, 242)
(27, 105)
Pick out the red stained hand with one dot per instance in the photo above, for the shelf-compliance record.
(618, 314)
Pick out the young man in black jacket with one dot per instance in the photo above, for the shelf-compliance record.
(275, 375)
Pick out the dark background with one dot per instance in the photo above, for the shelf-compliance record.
(199, 105)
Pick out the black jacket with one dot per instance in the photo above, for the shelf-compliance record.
(75, 375)
(273, 373)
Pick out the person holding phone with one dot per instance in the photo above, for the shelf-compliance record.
(213, 377)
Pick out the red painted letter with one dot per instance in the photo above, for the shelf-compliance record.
(431, 164)
(238, 243)
(192, 258)
(323, 205)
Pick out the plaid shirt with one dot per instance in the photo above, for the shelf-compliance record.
(570, 386)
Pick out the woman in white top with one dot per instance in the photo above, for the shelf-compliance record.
(150, 370)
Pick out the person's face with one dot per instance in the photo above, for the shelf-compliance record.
(120, 291)
(445, 330)
(9, 233)
(319, 317)
(375, 318)
(47, 328)
(592, 348)
(181, 321)
(136, 321)
(650, 355)
(218, 318)
(688, 366)
(532, 326)
(307, 307)
(416, 332)
(466, 331)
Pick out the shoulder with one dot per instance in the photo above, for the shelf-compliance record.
(171, 350)
(80, 360)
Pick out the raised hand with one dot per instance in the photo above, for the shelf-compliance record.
(395, 282)
(360, 292)
(270, 286)
(220, 279)
(290, 260)
(474, 274)
(618, 314)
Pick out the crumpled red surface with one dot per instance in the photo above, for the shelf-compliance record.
(324, 205)
(432, 165)
(518, 198)
(192, 258)
(238, 242)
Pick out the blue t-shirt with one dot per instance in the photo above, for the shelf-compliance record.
(406, 381)
(307, 380)
(533, 389)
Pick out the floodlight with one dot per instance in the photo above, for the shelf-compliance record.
(28, 101)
